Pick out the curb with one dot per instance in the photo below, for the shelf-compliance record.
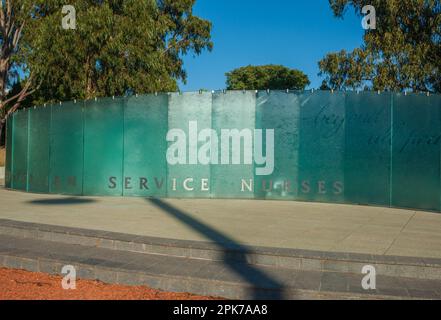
(204, 286)
(296, 259)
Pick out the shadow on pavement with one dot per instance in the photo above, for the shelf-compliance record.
(255, 277)
(61, 201)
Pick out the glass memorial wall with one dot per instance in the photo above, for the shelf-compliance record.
(340, 147)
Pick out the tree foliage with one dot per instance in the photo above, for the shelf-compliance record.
(402, 53)
(346, 69)
(118, 47)
(14, 16)
(274, 77)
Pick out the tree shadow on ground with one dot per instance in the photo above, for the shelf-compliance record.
(61, 201)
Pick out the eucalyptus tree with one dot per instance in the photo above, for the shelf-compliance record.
(14, 16)
(403, 52)
(118, 47)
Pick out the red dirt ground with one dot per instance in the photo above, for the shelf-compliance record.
(25, 285)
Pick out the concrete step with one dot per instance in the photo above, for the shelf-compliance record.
(295, 259)
(229, 278)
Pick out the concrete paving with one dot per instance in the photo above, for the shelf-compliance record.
(311, 226)
(2, 176)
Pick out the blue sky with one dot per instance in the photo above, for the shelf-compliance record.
(294, 33)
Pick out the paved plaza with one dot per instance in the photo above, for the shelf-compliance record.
(311, 226)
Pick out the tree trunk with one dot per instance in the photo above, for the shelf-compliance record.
(2, 135)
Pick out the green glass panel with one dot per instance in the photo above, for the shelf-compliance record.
(9, 147)
(416, 152)
(39, 128)
(321, 155)
(329, 147)
(234, 113)
(145, 146)
(103, 147)
(279, 111)
(66, 149)
(20, 150)
(189, 114)
(368, 148)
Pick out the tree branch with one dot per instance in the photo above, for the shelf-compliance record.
(176, 43)
(19, 101)
(25, 92)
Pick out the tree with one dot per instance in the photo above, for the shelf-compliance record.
(14, 88)
(344, 70)
(403, 52)
(274, 77)
(118, 47)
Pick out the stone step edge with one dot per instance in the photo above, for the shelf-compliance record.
(173, 283)
(411, 267)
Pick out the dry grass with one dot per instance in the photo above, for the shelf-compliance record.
(2, 156)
